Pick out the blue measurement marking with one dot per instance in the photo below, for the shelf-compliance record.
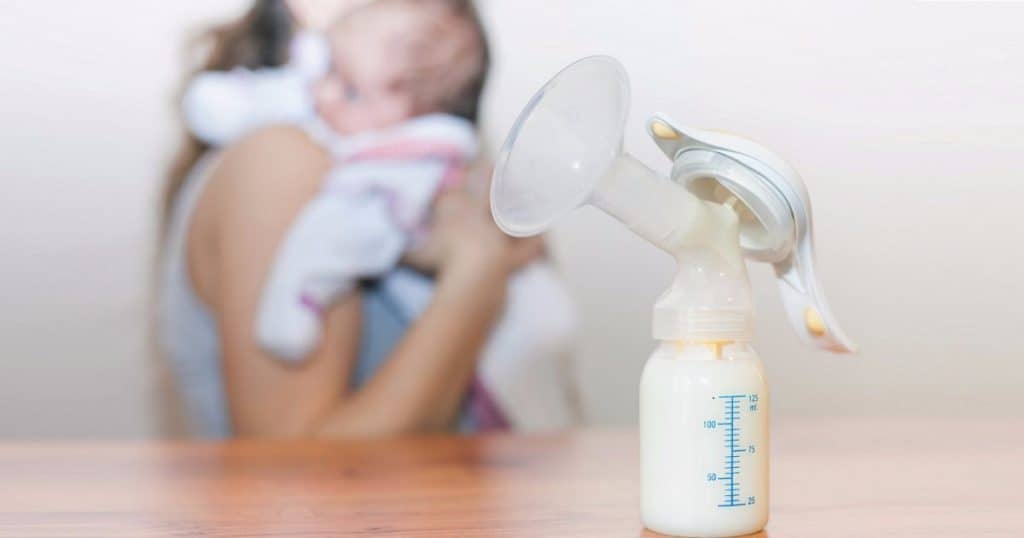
(730, 494)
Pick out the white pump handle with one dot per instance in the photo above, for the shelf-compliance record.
(774, 193)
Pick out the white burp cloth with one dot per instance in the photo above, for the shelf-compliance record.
(221, 106)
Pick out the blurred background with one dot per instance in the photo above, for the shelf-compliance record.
(905, 119)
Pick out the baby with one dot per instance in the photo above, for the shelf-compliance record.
(394, 110)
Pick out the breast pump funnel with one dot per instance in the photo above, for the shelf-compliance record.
(565, 151)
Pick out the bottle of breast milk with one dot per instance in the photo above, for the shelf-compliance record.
(704, 440)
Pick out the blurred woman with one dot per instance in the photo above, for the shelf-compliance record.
(373, 373)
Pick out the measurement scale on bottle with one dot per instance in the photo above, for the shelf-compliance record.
(734, 406)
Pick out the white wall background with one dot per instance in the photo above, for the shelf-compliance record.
(906, 121)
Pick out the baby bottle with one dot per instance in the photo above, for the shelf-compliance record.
(704, 401)
(704, 440)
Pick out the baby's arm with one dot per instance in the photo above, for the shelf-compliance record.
(334, 241)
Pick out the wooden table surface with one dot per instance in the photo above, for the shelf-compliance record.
(835, 478)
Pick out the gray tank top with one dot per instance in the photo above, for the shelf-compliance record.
(189, 336)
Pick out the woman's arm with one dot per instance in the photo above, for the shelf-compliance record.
(256, 191)
(422, 384)
(257, 188)
(420, 387)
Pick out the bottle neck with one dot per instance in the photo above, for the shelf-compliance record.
(710, 298)
(704, 350)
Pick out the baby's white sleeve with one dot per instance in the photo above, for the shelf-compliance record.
(334, 241)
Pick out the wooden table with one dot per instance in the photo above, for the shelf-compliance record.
(835, 478)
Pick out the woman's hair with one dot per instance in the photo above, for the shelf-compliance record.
(262, 38)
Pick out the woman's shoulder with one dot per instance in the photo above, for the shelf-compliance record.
(257, 186)
(272, 170)
(278, 158)
(288, 137)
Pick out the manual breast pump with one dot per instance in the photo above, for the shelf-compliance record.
(703, 398)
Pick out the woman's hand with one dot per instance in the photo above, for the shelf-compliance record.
(465, 244)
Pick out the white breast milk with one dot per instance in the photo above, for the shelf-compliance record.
(704, 440)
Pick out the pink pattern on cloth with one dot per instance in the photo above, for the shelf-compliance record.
(420, 149)
(312, 305)
(394, 206)
(411, 149)
(482, 409)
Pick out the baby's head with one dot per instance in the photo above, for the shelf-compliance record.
(393, 60)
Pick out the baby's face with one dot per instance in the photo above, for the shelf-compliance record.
(359, 94)
(367, 87)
